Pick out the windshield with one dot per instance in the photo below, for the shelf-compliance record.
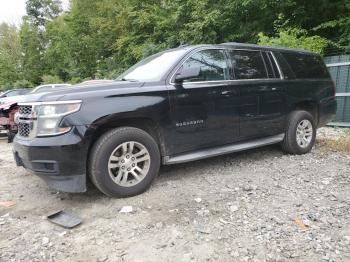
(154, 67)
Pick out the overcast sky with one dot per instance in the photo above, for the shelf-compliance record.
(11, 11)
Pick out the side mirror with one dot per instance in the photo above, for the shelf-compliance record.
(188, 73)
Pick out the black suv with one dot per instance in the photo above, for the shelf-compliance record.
(180, 105)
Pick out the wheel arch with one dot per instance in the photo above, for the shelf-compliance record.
(309, 106)
(149, 125)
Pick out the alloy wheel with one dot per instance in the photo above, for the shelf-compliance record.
(304, 133)
(129, 164)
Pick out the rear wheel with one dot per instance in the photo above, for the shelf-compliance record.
(300, 133)
(124, 162)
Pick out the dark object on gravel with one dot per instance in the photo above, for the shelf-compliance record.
(64, 219)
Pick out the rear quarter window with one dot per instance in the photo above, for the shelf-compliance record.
(306, 66)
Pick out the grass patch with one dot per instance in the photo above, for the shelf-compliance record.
(347, 131)
(335, 145)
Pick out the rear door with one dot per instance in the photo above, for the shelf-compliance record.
(204, 110)
(262, 93)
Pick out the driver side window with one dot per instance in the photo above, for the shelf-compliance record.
(212, 65)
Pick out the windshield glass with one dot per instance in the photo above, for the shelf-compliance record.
(154, 67)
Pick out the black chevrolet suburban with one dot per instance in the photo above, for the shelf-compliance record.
(180, 105)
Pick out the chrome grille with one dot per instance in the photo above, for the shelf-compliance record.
(25, 110)
(24, 129)
(25, 120)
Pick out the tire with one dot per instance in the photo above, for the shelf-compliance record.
(291, 144)
(10, 136)
(108, 153)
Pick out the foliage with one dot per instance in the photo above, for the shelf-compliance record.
(347, 131)
(31, 49)
(23, 84)
(10, 54)
(41, 11)
(295, 38)
(50, 79)
(100, 39)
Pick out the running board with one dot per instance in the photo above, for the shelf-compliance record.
(217, 151)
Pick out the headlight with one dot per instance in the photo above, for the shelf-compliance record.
(50, 114)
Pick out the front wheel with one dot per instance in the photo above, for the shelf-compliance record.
(300, 133)
(124, 162)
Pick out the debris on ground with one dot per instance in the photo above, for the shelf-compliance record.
(64, 219)
(7, 204)
(198, 199)
(126, 209)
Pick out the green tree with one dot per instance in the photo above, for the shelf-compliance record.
(100, 39)
(10, 55)
(31, 48)
(295, 38)
(34, 45)
(50, 79)
(42, 11)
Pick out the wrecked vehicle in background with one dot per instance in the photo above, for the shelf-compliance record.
(7, 118)
(14, 92)
(8, 110)
(49, 88)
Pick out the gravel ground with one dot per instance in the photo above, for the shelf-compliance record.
(259, 205)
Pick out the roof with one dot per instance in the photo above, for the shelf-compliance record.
(251, 46)
(267, 47)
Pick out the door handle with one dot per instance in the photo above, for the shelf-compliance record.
(274, 88)
(227, 92)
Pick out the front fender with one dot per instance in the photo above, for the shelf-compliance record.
(101, 111)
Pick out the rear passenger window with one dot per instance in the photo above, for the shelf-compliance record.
(306, 65)
(248, 64)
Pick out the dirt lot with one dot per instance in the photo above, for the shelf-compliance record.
(260, 205)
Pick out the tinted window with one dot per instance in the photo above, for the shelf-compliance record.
(248, 64)
(306, 66)
(212, 65)
(286, 70)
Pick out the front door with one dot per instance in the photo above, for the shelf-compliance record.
(204, 109)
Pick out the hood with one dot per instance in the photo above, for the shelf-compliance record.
(78, 92)
(7, 102)
(10, 99)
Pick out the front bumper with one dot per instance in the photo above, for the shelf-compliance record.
(60, 161)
